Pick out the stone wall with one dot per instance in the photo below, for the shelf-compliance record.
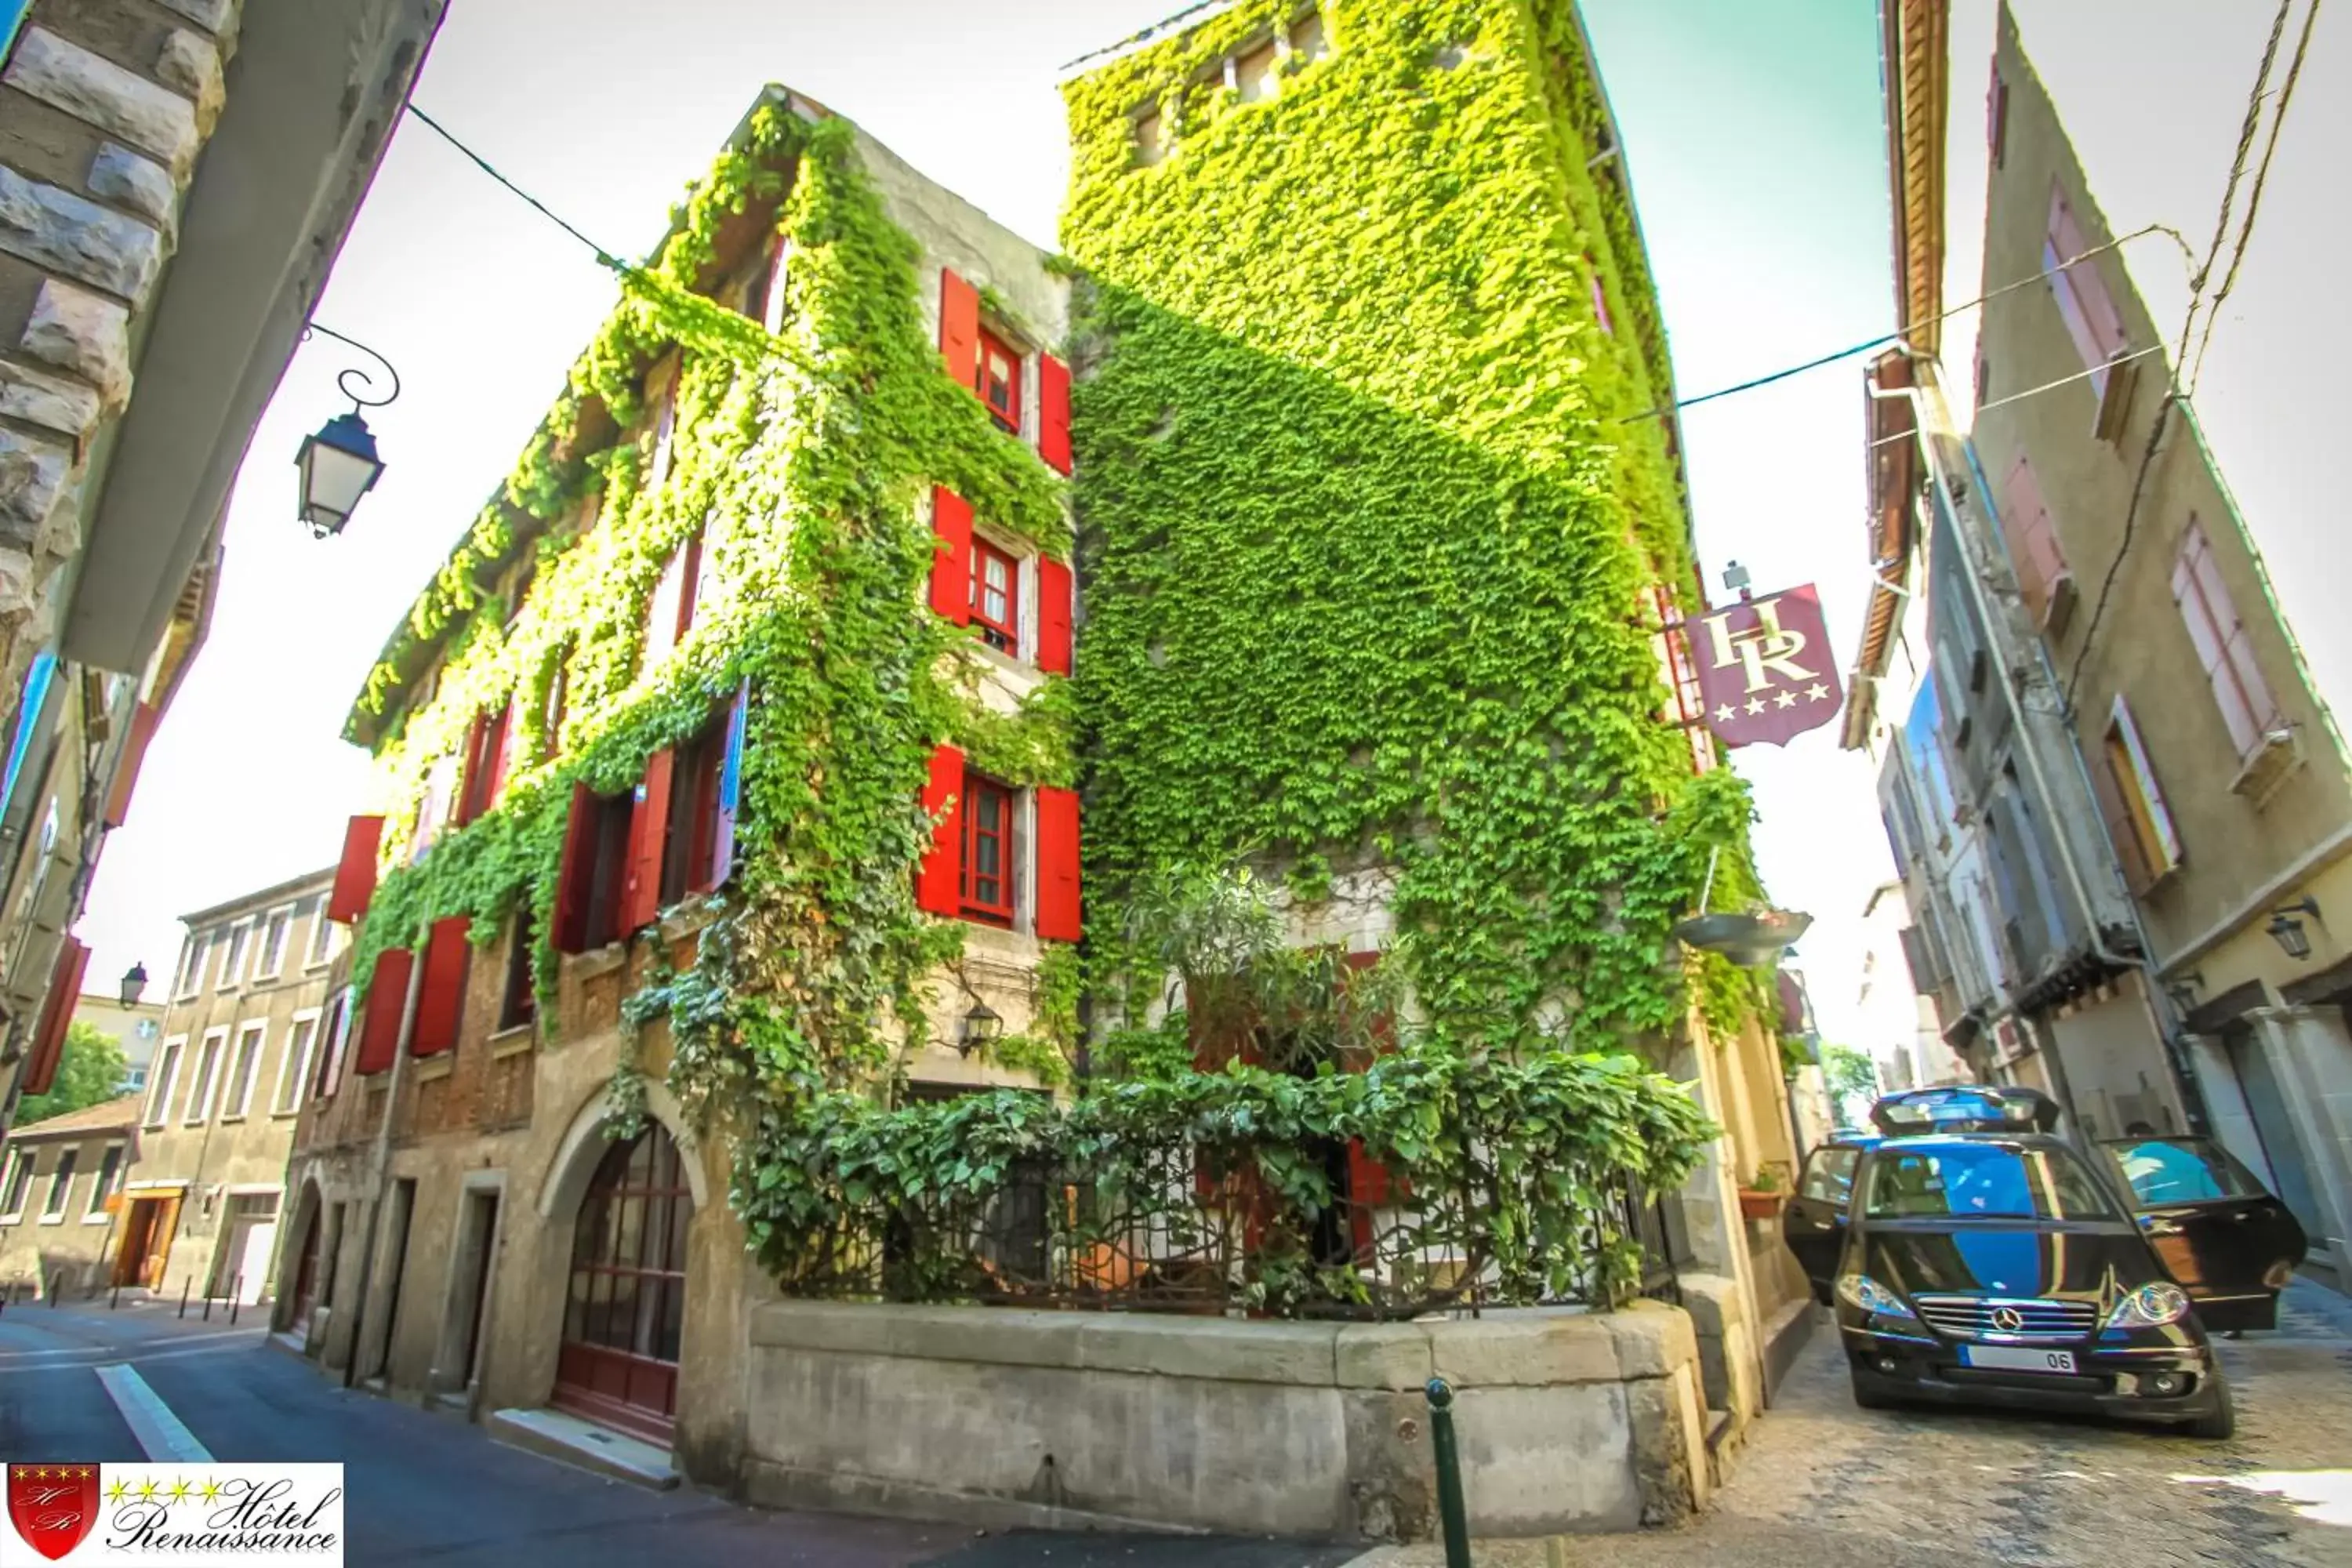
(103, 109)
(1567, 1421)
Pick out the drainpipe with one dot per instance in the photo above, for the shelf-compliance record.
(380, 1176)
(2191, 1100)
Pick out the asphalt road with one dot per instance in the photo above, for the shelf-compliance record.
(430, 1488)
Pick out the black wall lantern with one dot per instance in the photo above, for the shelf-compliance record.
(982, 1027)
(134, 984)
(339, 465)
(2288, 932)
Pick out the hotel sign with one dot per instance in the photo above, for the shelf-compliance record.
(1765, 669)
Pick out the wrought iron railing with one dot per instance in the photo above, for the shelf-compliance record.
(1318, 1233)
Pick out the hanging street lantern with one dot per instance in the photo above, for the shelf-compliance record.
(2287, 931)
(134, 984)
(339, 465)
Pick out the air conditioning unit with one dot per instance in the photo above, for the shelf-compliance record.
(2114, 401)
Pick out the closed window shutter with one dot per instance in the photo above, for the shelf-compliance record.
(2223, 649)
(387, 998)
(648, 827)
(1058, 910)
(441, 1004)
(2081, 293)
(1053, 616)
(730, 789)
(576, 876)
(2033, 544)
(143, 719)
(1054, 412)
(960, 327)
(56, 1016)
(1371, 1184)
(497, 753)
(951, 565)
(355, 872)
(939, 882)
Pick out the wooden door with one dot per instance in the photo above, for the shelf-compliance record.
(625, 1311)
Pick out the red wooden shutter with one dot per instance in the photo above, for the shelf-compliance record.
(387, 998)
(355, 873)
(938, 885)
(56, 1015)
(648, 828)
(1053, 616)
(730, 790)
(471, 777)
(442, 1002)
(952, 566)
(501, 753)
(960, 327)
(143, 719)
(1054, 412)
(576, 876)
(1370, 1183)
(1058, 864)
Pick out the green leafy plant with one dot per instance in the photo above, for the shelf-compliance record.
(90, 1072)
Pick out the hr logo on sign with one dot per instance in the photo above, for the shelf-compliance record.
(1764, 668)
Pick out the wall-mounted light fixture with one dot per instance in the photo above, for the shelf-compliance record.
(981, 1028)
(134, 984)
(2183, 989)
(2288, 932)
(339, 464)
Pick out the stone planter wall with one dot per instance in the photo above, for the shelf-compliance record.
(1567, 1421)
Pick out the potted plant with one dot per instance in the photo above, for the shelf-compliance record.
(1765, 1192)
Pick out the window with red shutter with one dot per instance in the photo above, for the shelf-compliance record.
(1371, 1184)
(1054, 412)
(958, 326)
(143, 719)
(591, 877)
(56, 1016)
(999, 381)
(996, 596)
(441, 1001)
(485, 762)
(355, 872)
(988, 849)
(387, 999)
(951, 567)
(2080, 290)
(2043, 575)
(649, 837)
(1053, 616)
(1058, 907)
(670, 611)
(689, 852)
(938, 880)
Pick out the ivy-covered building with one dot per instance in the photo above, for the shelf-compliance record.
(769, 593)
(1316, 533)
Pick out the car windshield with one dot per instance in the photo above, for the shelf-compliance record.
(2163, 1170)
(1988, 1180)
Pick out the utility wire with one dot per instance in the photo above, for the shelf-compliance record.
(1884, 339)
(2175, 392)
(604, 255)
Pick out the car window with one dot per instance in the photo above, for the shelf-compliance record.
(1982, 1181)
(1829, 1175)
(2161, 1171)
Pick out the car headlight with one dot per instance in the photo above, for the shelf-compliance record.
(1865, 1294)
(2151, 1306)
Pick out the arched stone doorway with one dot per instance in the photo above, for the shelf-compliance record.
(624, 1300)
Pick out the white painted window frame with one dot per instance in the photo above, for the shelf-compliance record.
(2124, 728)
(196, 958)
(208, 1084)
(340, 1005)
(294, 1062)
(101, 1184)
(258, 1030)
(319, 947)
(14, 1162)
(172, 1056)
(239, 938)
(59, 1203)
(267, 965)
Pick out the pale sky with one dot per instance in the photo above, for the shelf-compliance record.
(1756, 154)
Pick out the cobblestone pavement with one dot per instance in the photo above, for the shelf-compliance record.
(1824, 1485)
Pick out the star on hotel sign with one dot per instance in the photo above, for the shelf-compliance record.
(1764, 668)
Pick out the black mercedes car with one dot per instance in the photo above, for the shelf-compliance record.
(1973, 1254)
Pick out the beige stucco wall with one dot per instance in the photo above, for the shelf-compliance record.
(75, 1249)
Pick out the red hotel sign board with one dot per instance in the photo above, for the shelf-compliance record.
(1765, 669)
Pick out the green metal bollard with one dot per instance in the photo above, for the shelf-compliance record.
(1451, 1512)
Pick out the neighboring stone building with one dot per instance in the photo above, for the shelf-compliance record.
(241, 1044)
(61, 1200)
(137, 1028)
(2222, 776)
(176, 179)
(1899, 1028)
